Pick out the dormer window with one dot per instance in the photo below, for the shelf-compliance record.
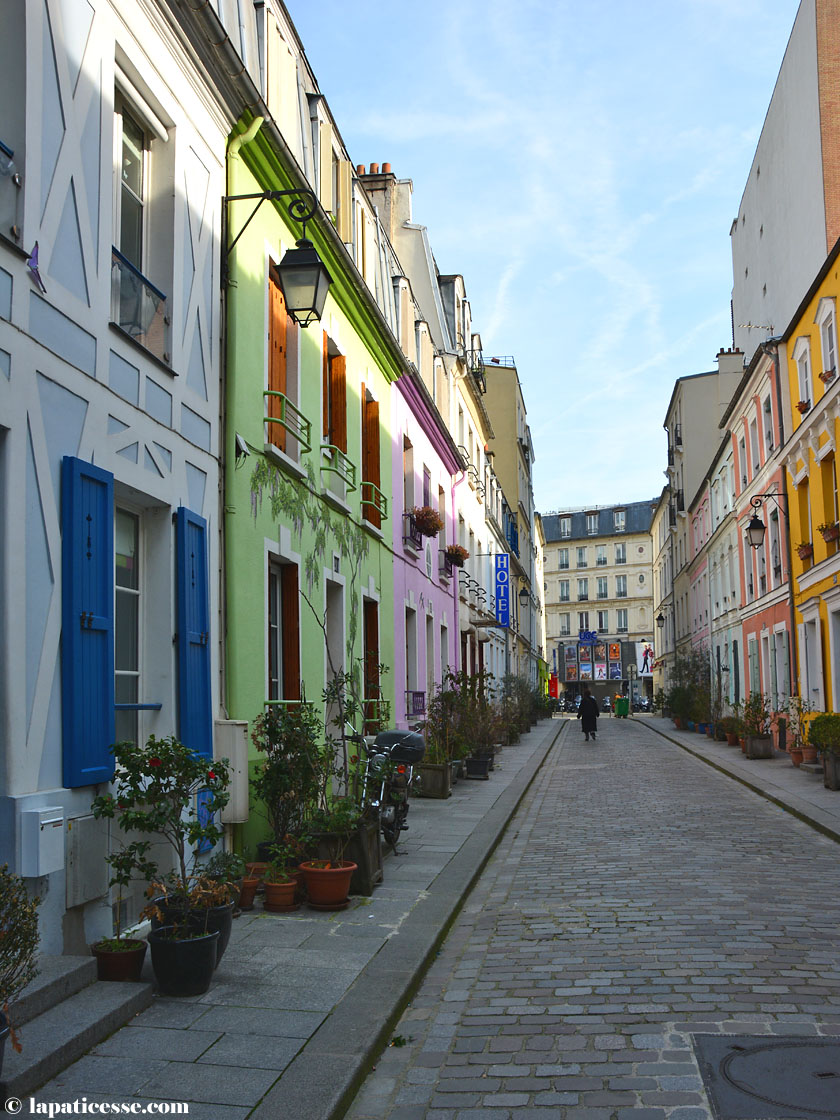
(825, 319)
(619, 520)
(802, 361)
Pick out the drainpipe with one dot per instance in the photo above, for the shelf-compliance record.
(771, 349)
(456, 482)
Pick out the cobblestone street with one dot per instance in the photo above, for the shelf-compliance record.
(638, 897)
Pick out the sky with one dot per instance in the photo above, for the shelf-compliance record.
(580, 164)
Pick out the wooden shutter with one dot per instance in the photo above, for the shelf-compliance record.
(370, 454)
(195, 714)
(277, 328)
(291, 631)
(338, 402)
(87, 616)
(325, 387)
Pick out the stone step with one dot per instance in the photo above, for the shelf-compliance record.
(812, 767)
(57, 979)
(62, 1033)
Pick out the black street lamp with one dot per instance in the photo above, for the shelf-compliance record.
(524, 596)
(303, 276)
(756, 528)
(660, 620)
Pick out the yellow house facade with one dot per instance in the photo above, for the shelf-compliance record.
(810, 352)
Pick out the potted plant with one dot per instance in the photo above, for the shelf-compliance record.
(731, 726)
(803, 406)
(443, 732)
(230, 868)
(327, 876)
(829, 530)
(288, 779)
(427, 519)
(156, 793)
(456, 554)
(19, 937)
(828, 375)
(805, 550)
(824, 734)
(282, 877)
(120, 957)
(755, 716)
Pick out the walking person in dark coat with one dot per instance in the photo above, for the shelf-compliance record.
(588, 714)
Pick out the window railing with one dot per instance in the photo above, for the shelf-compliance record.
(372, 496)
(512, 538)
(339, 464)
(291, 419)
(289, 704)
(411, 534)
(377, 715)
(138, 308)
(415, 703)
(446, 565)
(670, 456)
(621, 594)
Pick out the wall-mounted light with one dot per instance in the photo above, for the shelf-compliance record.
(756, 528)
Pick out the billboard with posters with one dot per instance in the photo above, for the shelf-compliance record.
(571, 671)
(615, 651)
(644, 659)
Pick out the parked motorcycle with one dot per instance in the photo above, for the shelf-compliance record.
(390, 758)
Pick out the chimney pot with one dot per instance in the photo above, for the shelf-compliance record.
(361, 169)
(374, 169)
(386, 169)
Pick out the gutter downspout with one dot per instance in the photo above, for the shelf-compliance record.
(771, 349)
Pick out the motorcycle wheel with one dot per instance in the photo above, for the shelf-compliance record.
(392, 826)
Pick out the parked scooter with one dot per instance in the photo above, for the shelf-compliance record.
(389, 774)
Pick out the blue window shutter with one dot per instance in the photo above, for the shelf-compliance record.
(87, 622)
(195, 724)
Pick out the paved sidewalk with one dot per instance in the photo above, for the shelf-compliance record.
(799, 791)
(302, 1003)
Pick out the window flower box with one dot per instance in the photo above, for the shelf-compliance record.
(456, 554)
(827, 376)
(830, 531)
(427, 520)
(803, 406)
(805, 550)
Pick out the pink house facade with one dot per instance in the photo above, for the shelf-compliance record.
(426, 467)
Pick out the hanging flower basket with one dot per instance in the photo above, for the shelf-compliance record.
(427, 520)
(828, 375)
(456, 554)
(803, 406)
(829, 531)
(805, 550)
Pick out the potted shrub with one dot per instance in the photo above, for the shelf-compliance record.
(288, 780)
(230, 868)
(824, 734)
(731, 726)
(443, 732)
(120, 957)
(282, 877)
(427, 519)
(755, 717)
(19, 937)
(156, 794)
(829, 530)
(327, 877)
(805, 550)
(827, 376)
(803, 406)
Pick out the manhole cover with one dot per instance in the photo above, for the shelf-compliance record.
(766, 1078)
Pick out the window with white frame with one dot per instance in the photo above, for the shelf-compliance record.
(802, 361)
(581, 558)
(583, 589)
(591, 524)
(565, 526)
(603, 621)
(826, 321)
(126, 622)
(563, 558)
(583, 620)
(621, 587)
(564, 591)
(601, 555)
(767, 418)
(742, 458)
(756, 458)
(619, 520)
(621, 553)
(621, 621)
(602, 587)
(565, 624)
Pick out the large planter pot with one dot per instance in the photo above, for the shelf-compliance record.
(183, 967)
(809, 753)
(732, 738)
(435, 779)
(247, 892)
(795, 755)
(759, 746)
(364, 848)
(216, 918)
(328, 888)
(454, 771)
(831, 770)
(478, 767)
(120, 964)
(280, 897)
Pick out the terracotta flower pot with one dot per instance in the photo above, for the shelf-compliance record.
(247, 891)
(732, 738)
(328, 888)
(809, 753)
(124, 963)
(280, 897)
(795, 755)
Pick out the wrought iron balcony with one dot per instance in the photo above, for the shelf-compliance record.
(415, 703)
(670, 456)
(290, 419)
(446, 565)
(411, 534)
(678, 435)
(138, 307)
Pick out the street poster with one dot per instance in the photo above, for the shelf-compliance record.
(644, 659)
(586, 672)
(600, 670)
(615, 671)
(571, 654)
(615, 651)
(585, 653)
(571, 671)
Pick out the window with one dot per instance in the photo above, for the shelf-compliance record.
(602, 587)
(767, 414)
(583, 589)
(565, 624)
(283, 632)
(756, 459)
(126, 621)
(825, 318)
(621, 621)
(621, 553)
(601, 555)
(564, 591)
(619, 520)
(591, 524)
(565, 526)
(583, 620)
(334, 397)
(581, 558)
(373, 502)
(408, 474)
(563, 558)
(142, 247)
(621, 587)
(802, 360)
(604, 621)
(427, 487)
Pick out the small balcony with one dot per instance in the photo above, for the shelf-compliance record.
(512, 538)
(284, 417)
(336, 462)
(446, 566)
(138, 308)
(670, 456)
(374, 504)
(411, 534)
(678, 435)
(415, 703)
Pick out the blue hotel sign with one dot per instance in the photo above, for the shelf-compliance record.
(503, 589)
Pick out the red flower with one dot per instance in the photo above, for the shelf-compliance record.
(211, 775)
(354, 758)
(154, 762)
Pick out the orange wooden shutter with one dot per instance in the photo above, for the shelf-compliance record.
(291, 631)
(325, 388)
(338, 402)
(370, 438)
(277, 326)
